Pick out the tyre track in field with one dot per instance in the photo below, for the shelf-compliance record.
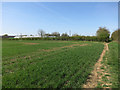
(14, 60)
(94, 77)
(24, 58)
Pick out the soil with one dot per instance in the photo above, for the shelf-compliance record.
(31, 43)
(70, 46)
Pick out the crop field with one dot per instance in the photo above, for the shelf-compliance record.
(113, 63)
(45, 64)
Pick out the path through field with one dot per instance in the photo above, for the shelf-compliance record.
(94, 77)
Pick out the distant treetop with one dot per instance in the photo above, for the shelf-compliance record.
(103, 33)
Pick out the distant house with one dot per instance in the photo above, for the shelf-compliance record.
(25, 36)
(20, 36)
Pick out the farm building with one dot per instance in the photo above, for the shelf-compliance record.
(25, 36)
(7, 37)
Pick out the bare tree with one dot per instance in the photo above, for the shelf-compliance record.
(21, 35)
(41, 32)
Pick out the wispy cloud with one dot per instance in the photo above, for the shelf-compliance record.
(53, 12)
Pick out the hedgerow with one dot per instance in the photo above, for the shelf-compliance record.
(80, 38)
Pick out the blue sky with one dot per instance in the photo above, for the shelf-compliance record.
(83, 18)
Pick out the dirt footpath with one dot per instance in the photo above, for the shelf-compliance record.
(94, 77)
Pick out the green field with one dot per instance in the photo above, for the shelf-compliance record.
(113, 63)
(44, 64)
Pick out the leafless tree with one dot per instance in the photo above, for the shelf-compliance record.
(41, 32)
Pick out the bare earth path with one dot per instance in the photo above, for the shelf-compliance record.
(93, 79)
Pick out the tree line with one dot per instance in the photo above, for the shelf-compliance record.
(102, 34)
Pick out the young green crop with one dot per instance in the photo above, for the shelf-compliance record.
(113, 62)
(57, 68)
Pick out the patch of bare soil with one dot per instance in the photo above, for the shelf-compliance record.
(75, 45)
(94, 77)
(62, 41)
(70, 46)
(31, 43)
(75, 42)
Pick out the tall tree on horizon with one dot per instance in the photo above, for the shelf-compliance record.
(103, 34)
